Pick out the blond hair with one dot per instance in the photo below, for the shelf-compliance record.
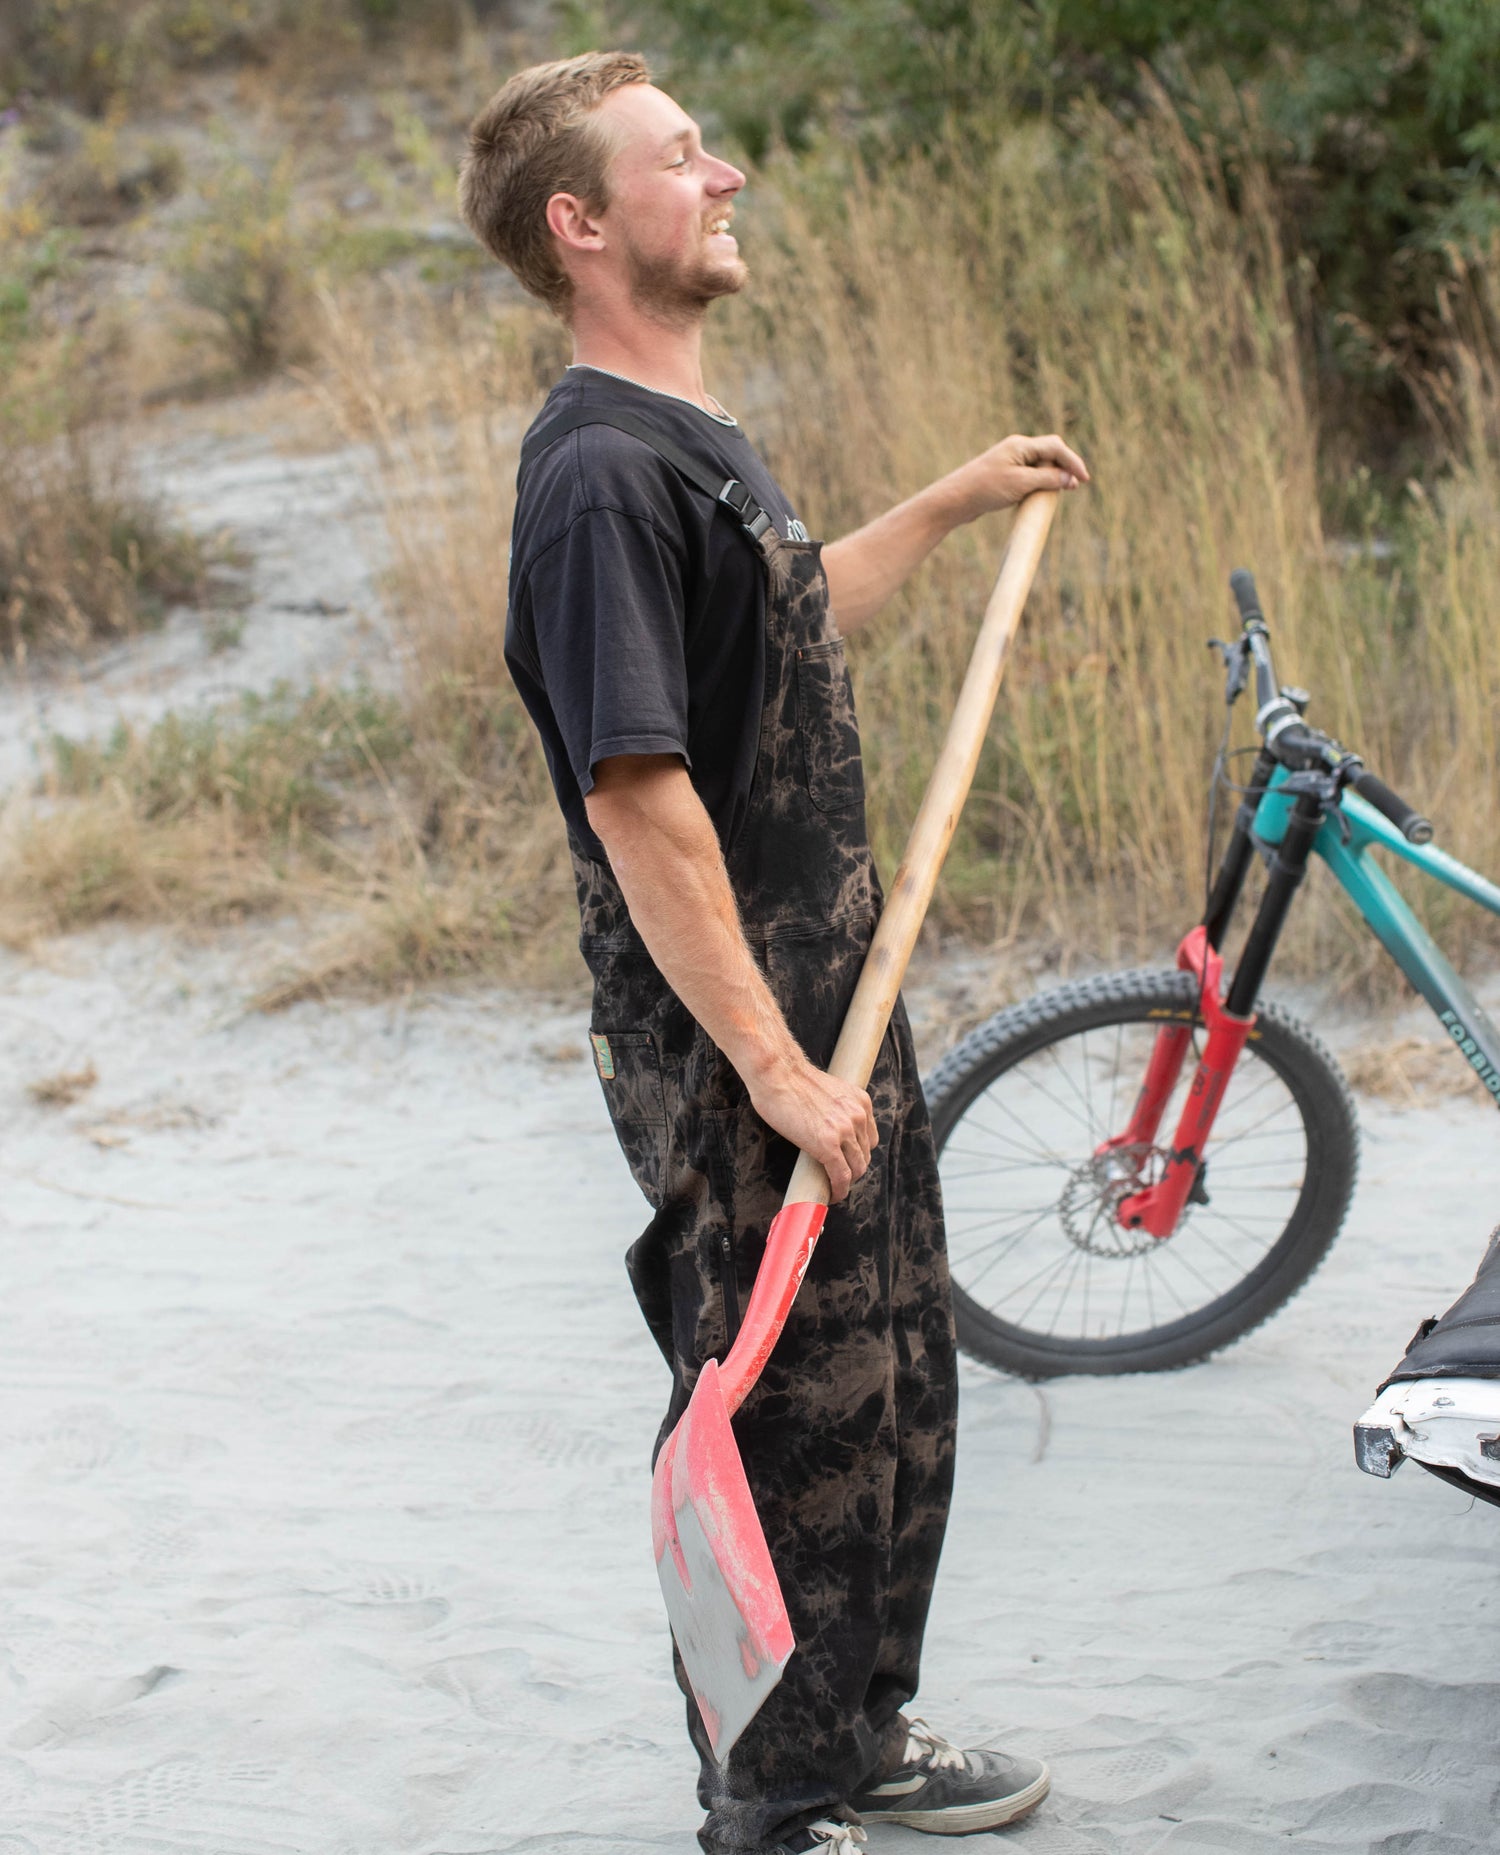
(535, 137)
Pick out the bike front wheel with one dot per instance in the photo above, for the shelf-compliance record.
(1046, 1280)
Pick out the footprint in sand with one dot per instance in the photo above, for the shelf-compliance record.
(79, 1444)
(395, 1598)
(71, 1711)
(1410, 1704)
(139, 1796)
(161, 1535)
(554, 1441)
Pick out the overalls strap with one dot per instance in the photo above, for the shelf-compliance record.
(727, 490)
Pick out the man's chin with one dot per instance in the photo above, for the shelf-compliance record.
(674, 298)
(727, 279)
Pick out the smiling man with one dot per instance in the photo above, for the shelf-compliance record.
(672, 633)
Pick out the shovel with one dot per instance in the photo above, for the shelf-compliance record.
(722, 1595)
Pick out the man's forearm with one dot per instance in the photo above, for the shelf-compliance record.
(867, 567)
(666, 859)
(665, 856)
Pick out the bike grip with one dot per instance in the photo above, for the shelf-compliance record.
(1411, 824)
(1242, 585)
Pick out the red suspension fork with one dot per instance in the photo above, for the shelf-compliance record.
(1158, 1208)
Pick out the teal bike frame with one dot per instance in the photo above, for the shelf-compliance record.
(1301, 801)
(1346, 849)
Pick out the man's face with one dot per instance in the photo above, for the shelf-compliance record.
(670, 207)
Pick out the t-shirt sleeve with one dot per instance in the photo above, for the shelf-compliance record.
(608, 609)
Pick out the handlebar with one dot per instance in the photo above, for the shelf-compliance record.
(1257, 641)
(1242, 585)
(1410, 823)
(1289, 739)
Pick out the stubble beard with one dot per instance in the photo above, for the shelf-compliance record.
(675, 292)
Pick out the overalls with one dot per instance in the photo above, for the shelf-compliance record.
(847, 1439)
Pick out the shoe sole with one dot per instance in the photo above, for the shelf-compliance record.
(966, 1819)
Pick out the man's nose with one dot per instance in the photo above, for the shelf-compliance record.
(725, 178)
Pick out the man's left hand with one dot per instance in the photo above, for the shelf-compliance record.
(1009, 471)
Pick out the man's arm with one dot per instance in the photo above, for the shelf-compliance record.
(865, 568)
(666, 858)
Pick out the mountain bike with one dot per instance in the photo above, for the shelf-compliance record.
(1141, 1167)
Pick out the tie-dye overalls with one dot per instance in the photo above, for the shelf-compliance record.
(848, 1438)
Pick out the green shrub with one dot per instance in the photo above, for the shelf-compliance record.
(110, 177)
(276, 761)
(244, 263)
(83, 552)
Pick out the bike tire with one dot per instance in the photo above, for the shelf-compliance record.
(973, 1077)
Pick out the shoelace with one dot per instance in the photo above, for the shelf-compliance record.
(925, 1747)
(840, 1838)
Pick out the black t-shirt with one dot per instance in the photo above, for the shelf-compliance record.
(636, 602)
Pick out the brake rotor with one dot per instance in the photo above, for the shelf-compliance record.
(1092, 1195)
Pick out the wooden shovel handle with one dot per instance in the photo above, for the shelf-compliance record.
(906, 904)
(796, 1227)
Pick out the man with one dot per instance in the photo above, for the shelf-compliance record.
(671, 632)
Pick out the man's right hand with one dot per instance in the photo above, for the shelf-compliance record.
(831, 1120)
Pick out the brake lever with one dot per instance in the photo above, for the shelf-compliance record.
(1236, 664)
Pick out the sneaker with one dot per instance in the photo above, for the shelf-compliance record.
(950, 1792)
(825, 1838)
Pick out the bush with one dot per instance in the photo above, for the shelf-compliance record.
(110, 177)
(84, 553)
(89, 51)
(243, 263)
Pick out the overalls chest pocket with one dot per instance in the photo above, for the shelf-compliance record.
(827, 728)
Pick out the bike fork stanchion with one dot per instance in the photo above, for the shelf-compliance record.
(1157, 1209)
(1167, 1052)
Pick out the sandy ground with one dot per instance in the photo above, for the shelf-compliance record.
(324, 1436)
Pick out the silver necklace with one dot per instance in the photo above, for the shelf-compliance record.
(721, 417)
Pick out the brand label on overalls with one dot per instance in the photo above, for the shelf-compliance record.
(604, 1060)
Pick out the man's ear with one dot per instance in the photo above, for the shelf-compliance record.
(573, 223)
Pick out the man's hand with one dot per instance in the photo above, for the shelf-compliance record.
(1009, 471)
(831, 1120)
(865, 568)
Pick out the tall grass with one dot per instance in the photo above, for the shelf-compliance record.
(895, 326)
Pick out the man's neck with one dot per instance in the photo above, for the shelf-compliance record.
(666, 359)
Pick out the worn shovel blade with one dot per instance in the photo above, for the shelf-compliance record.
(722, 1596)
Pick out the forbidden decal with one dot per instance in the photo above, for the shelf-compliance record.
(1478, 1061)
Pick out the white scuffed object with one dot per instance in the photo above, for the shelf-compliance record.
(1446, 1422)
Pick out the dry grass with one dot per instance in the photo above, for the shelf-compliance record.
(84, 553)
(265, 808)
(1144, 319)
(64, 1088)
(1412, 1072)
(892, 329)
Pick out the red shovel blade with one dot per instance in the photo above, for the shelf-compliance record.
(721, 1590)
